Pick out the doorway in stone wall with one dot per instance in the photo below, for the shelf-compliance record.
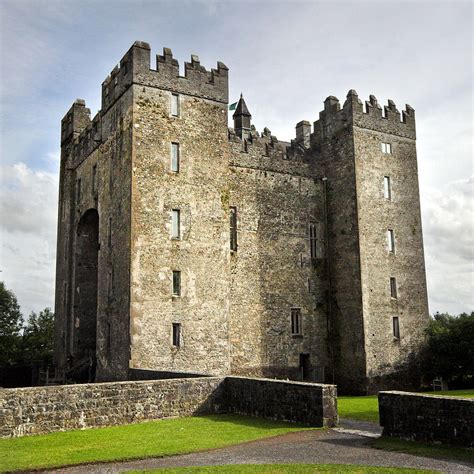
(305, 366)
(85, 296)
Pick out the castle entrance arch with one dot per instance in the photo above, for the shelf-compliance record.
(85, 288)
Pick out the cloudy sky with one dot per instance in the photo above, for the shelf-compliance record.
(286, 56)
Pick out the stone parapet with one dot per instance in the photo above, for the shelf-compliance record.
(40, 410)
(432, 418)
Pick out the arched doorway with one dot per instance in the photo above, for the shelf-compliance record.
(85, 289)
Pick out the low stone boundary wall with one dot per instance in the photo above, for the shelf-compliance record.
(312, 404)
(432, 418)
(39, 410)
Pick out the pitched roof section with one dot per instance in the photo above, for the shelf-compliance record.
(242, 108)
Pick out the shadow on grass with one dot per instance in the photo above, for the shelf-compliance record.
(435, 451)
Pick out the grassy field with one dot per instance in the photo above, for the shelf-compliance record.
(151, 439)
(367, 408)
(285, 468)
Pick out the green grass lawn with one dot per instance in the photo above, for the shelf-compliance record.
(367, 408)
(150, 439)
(284, 468)
(418, 448)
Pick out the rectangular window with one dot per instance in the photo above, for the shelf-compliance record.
(176, 334)
(387, 148)
(387, 189)
(175, 157)
(390, 241)
(295, 321)
(396, 327)
(393, 287)
(94, 179)
(176, 283)
(312, 240)
(175, 105)
(233, 229)
(78, 190)
(327, 130)
(175, 224)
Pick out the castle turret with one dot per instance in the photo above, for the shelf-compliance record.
(242, 118)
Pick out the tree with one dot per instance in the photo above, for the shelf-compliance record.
(11, 323)
(449, 350)
(38, 337)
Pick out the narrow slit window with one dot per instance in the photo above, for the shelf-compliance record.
(387, 148)
(233, 229)
(387, 188)
(175, 105)
(78, 190)
(176, 283)
(312, 240)
(393, 288)
(396, 327)
(390, 241)
(109, 233)
(175, 157)
(175, 224)
(295, 321)
(94, 179)
(176, 334)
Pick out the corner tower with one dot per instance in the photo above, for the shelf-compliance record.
(378, 299)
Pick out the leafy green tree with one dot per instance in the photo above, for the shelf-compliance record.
(449, 350)
(38, 337)
(11, 323)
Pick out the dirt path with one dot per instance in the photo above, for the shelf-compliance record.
(347, 444)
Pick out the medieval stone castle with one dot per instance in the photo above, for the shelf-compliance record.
(188, 247)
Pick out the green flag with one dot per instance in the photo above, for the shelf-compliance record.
(233, 106)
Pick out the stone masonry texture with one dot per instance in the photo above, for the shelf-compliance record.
(432, 418)
(39, 410)
(309, 238)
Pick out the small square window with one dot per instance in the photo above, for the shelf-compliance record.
(175, 224)
(387, 188)
(396, 327)
(176, 334)
(387, 148)
(296, 321)
(393, 288)
(176, 283)
(175, 105)
(175, 157)
(390, 241)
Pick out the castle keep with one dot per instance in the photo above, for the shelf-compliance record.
(185, 246)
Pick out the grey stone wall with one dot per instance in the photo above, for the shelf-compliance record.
(312, 404)
(27, 411)
(430, 418)
(272, 270)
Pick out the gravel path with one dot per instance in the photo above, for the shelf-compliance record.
(347, 444)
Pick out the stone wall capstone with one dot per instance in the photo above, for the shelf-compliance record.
(430, 418)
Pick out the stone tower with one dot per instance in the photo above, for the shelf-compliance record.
(378, 300)
(188, 247)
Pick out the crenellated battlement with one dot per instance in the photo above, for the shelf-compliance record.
(77, 118)
(135, 68)
(265, 152)
(370, 115)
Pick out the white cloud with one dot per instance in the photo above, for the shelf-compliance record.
(448, 228)
(28, 216)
